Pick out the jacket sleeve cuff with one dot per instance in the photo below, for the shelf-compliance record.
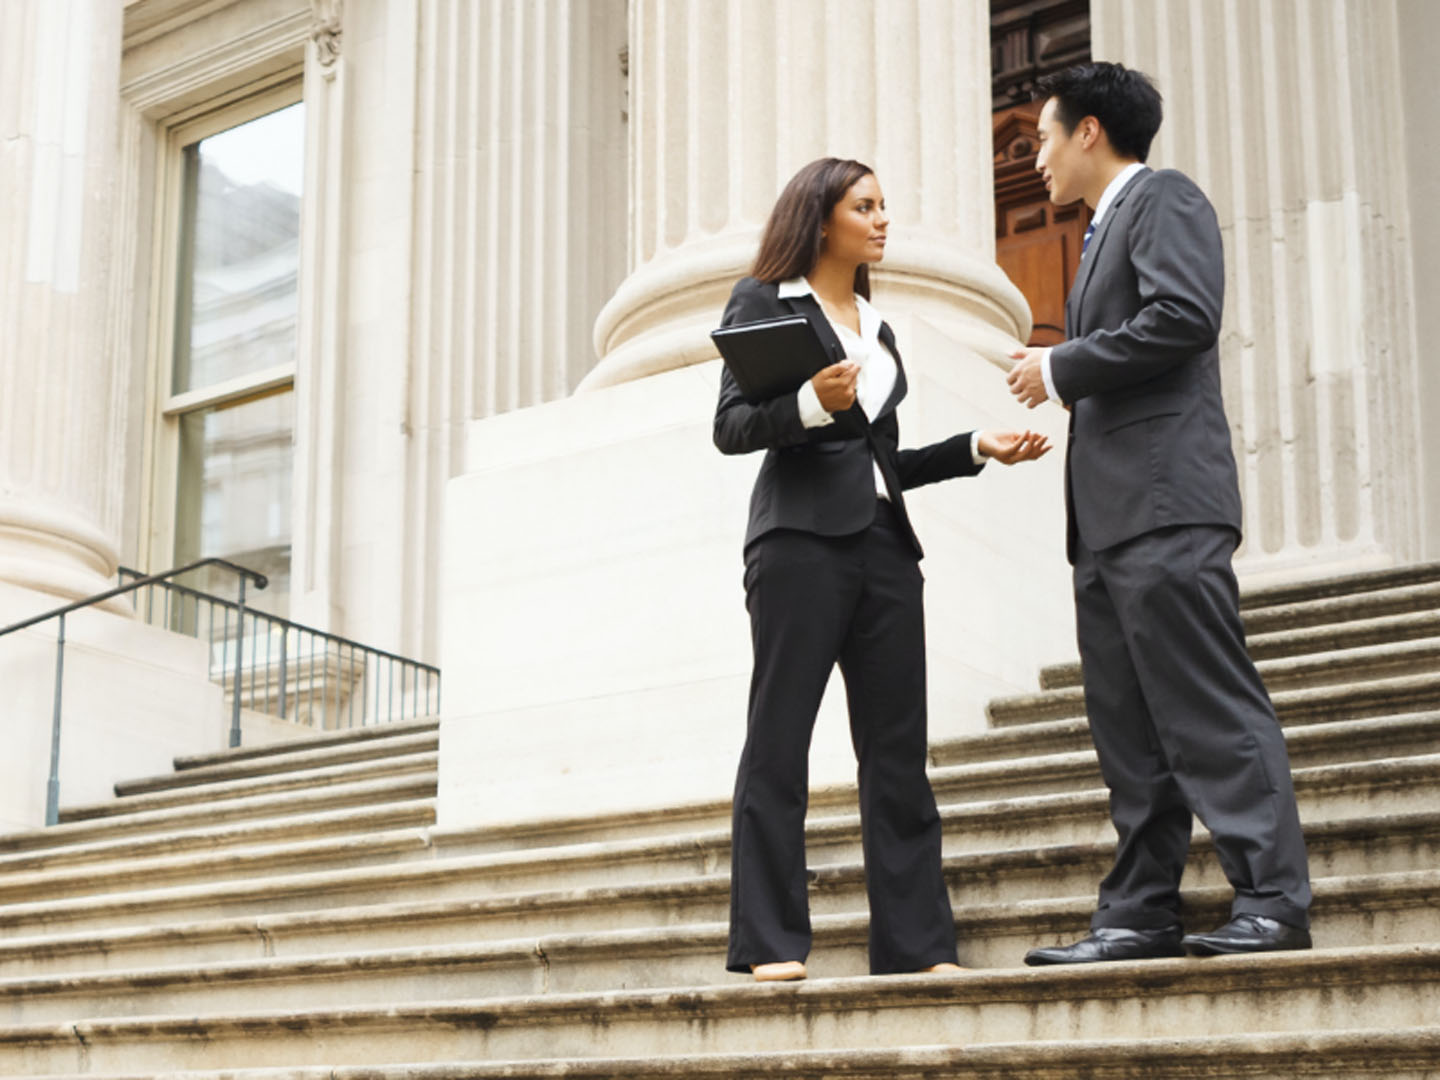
(975, 454)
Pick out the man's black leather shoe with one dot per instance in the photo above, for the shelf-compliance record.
(1247, 934)
(1111, 943)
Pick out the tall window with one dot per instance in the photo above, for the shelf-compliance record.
(231, 402)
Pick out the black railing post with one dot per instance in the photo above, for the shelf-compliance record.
(284, 649)
(239, 668)
(52, 788)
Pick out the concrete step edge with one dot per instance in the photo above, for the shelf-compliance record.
(1341, 970)
(1357, 1052)
(264, 807)
(1295, 643)
(1362, 893)
(1320, 835)
(1074, 734)
(1335, 585)
(1369, 694)
(1342, 735)
(413, 813)
(280, 764)
(396, 729)
(261, 785)
(985, 751)
(1036, 808)
(109, 877)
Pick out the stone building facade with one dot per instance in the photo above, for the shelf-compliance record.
(483, 439)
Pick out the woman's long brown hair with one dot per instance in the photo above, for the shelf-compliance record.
(790, 245)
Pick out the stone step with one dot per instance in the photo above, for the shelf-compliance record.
(1352, 1054)
(1309, 745)
(347, 821)
(1361, 633)
(278, 764)
(345, 737)
(1349, 912)
(307, 780)
(1370, 790)
(370, 848)
(464, 903)
(1410, 577)
(1332, 610)
(1340, 701)
(1393, 987)
(1327, 743)
(287, 806)
(1028, 750)
(1018, 760)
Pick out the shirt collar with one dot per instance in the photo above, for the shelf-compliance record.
(798, 286)
(869, 318)
(1112, 190)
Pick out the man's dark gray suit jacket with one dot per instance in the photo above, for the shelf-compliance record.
(1149, 443)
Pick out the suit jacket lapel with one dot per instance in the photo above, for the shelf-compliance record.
(897, 393)
(852, 418)
(1075, 302)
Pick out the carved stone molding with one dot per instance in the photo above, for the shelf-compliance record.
(1031, 38)
(326, 31)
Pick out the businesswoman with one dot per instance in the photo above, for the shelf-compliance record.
(832, 574)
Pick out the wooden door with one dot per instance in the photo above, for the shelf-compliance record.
(1036, 244)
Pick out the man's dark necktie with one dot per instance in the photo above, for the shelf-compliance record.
(1089, 232)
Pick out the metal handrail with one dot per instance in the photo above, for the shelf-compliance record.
(52, 789)
(338, 666)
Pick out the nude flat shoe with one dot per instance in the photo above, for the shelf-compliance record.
(942, 969)
(779, 971)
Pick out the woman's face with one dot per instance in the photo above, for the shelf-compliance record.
(855, 230)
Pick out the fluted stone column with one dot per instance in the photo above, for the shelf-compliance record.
(1285, 111)
(60, 469)
(518, 217)
(728, 98)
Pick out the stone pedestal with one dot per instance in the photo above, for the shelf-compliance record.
(595, 643)
(134, 698)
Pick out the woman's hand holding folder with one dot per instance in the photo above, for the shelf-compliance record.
(835, 385)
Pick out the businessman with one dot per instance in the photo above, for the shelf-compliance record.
(1180, 719)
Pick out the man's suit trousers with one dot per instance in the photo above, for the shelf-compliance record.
(1182, 723)
(814, 601)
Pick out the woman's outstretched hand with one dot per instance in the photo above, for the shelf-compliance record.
(1008, 447)
(835, 385)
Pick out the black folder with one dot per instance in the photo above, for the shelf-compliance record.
(771, 357)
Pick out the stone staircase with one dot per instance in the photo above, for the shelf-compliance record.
(293, 912)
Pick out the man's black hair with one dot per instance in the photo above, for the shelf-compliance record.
(1124, 101)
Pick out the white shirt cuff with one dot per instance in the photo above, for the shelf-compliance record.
(975, 454)
(1049, 379)
(812, 413)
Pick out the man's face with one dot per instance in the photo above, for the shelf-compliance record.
(1061, 160)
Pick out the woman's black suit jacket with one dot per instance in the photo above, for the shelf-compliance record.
(819, 480)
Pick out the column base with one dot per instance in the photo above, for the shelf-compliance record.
(661, 317)
(55, 553)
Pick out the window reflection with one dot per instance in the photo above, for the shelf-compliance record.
(240, 251)
(234, 497)
(237, 304)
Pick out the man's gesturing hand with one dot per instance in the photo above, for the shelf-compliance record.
(1025, 380)
(1008, 447)
(835, 385)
